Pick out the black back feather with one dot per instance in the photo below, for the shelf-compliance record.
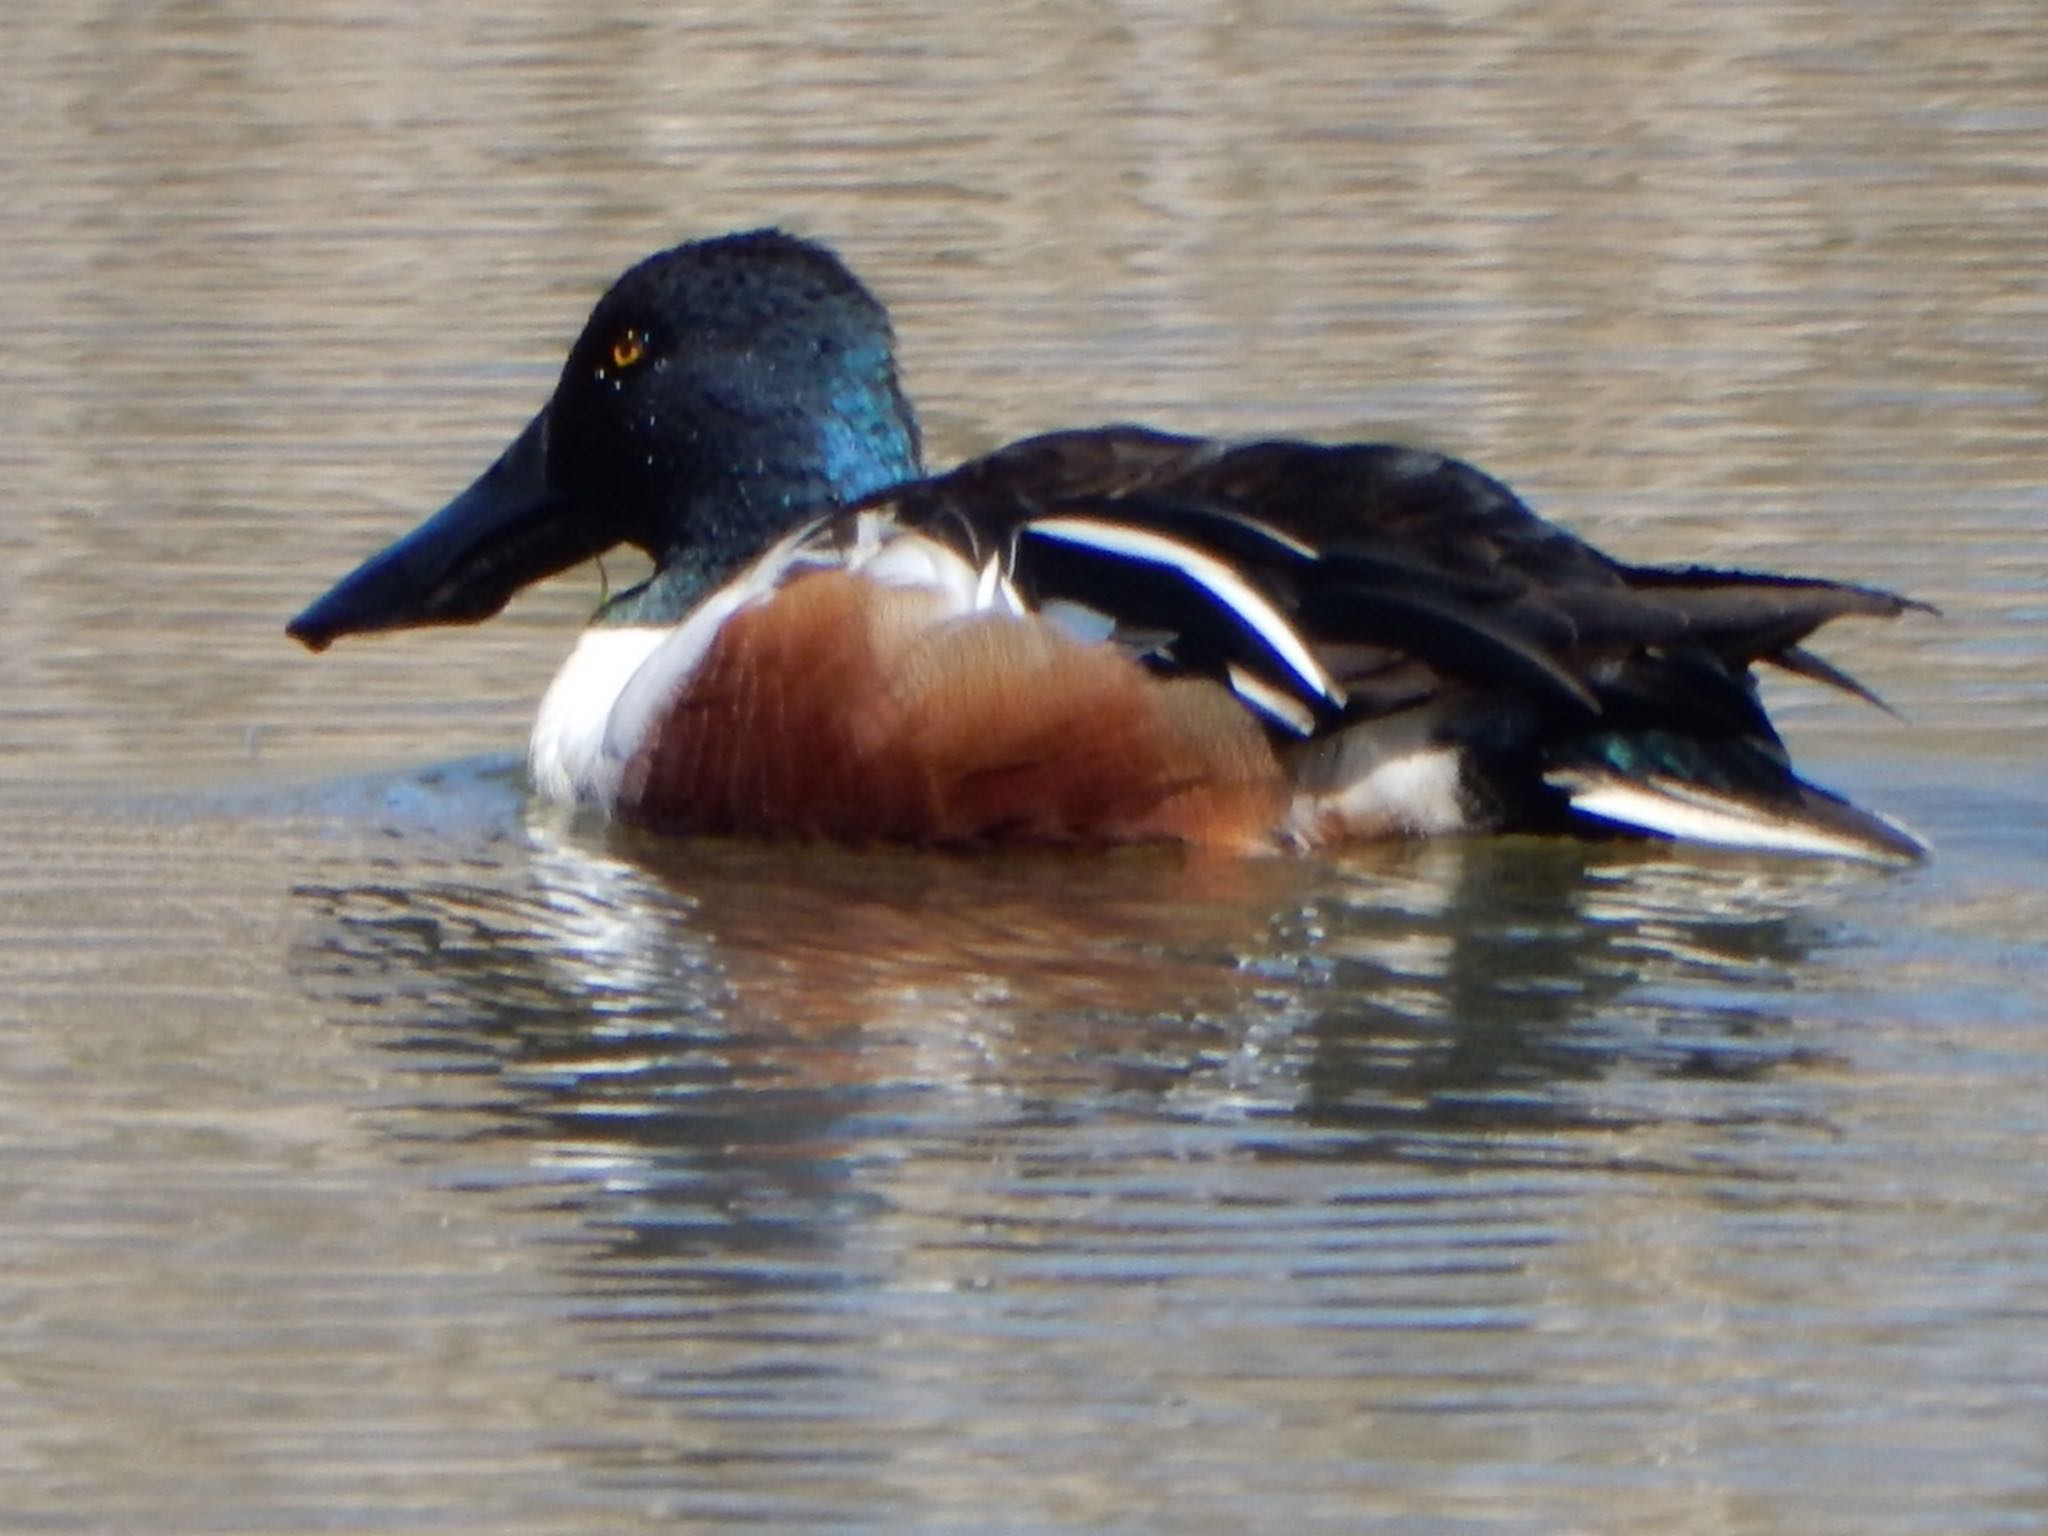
(1398, 555)
(1419, 589)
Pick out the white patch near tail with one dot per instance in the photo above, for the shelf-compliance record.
(1390, 777)
(1412, 794)
(1670, 808)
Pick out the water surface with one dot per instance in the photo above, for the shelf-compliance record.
(381, 1152)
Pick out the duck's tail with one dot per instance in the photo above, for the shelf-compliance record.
(1789, 816)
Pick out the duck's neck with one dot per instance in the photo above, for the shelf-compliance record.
(780, 481)
(678, 585)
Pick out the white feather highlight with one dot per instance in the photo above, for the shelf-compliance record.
(1206, 571)
(912, 560)
(1279, 538)
(994, 590)
(1276, 704)
(1668, 809)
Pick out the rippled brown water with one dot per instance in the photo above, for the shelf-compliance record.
(378, 1153)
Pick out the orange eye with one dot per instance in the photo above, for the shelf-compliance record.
(628, 349)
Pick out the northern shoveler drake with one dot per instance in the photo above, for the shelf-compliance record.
(1093, 636)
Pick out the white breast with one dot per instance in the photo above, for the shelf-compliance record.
(566, 753)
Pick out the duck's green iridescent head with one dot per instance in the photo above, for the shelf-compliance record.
(720, 392)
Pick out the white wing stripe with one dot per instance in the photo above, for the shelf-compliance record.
(1207, 572)
(1277, 704)
(1275, 537)
(1680, 811)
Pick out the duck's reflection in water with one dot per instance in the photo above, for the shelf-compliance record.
(884, 1170)
(731, 1030)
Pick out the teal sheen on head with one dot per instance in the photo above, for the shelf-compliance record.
(720, 393)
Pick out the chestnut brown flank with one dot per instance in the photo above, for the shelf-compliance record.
(840, 709)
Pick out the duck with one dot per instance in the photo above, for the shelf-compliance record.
(1093, 636)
